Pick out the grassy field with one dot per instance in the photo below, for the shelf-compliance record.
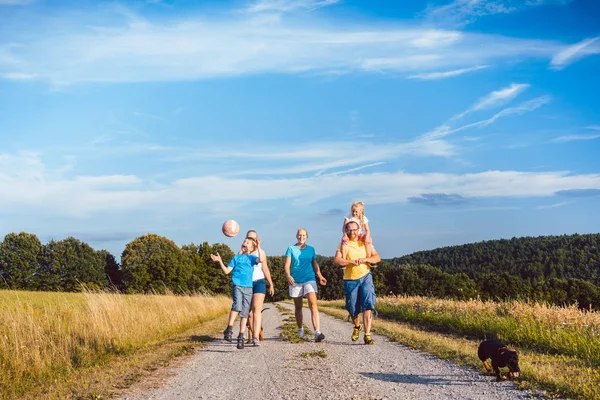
(47, 337)
(559, 347)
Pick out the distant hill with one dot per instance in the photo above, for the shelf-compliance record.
(529, 258)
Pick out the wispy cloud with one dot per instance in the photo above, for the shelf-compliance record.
(15, 2)
(556, 205)
(464, 12)
(438, 199)
(142, 49)
(495, 99)
(575, 52)
(572, 138)
(31, 189)
(288, 5)
(428, 76)
(525, 107)
(19, 76)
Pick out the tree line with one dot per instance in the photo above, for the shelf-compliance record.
(555, 269)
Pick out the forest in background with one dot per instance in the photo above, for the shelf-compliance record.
(560, 270)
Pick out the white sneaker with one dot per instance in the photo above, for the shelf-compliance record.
(301, 332)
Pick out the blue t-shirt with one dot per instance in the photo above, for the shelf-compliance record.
(243, 266)
(302, 270)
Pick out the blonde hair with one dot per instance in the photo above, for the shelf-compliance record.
(254, 243)
(302, 229)
(361, 206)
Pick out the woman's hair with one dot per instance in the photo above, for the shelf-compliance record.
(254, 243)
(361, 206)
(302, 229)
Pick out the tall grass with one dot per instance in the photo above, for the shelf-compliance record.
(45, 336)
(559, 346)
(541, 327)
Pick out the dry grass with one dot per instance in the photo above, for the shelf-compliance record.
(558, 347)
(46, 337)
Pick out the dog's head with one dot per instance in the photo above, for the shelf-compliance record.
(510, 358)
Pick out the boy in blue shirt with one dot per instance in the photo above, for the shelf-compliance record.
(241, 267)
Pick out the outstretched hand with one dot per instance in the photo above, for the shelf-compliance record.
(215, 258)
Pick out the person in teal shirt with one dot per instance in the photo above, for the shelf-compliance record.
(302, 272)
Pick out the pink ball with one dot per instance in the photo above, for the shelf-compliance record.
(230, 228)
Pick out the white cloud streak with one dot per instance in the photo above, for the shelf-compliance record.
(525, 107)
(464, 12)
(573, 138)
(428, 76)
(287, 5)
(575, 52)
(34, 189)
(495, 99)
(140, 49)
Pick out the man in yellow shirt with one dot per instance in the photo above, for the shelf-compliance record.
(358, 281)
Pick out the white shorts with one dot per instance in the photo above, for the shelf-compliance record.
(302, 289)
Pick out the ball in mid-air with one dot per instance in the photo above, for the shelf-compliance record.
(230, 228)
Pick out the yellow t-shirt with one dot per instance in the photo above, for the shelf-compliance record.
(356, 250)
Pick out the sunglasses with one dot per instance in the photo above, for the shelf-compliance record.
(351, 230)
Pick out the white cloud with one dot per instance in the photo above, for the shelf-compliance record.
(136, 49)
(572, 138)
(495, 99)
(446, 74)
(556, 205)
(15, 2)
(40, 191)
(463, 12)
(575, 52)
(19, 76)
(288, 5)
(525, 107)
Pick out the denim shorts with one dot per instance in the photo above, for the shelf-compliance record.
(360, 295)
(242, 296)
(259, 286)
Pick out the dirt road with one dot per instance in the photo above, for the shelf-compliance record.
(281, 370)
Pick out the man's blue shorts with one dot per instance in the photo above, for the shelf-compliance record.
(242, 296)
(259, 286)
(360, 295)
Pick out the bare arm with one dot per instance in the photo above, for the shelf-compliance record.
(318, 274)
(286, 268)
(267, 273)
(341, 260)
(374, 259)
(217, 258)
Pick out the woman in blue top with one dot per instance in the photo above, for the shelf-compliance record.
(302, 278)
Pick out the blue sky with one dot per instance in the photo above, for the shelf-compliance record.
(454, 121)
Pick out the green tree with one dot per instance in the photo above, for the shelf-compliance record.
(74, 263)
(19, 261)
(112, 269)
(153, 263)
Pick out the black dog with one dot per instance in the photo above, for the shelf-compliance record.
(501, 357)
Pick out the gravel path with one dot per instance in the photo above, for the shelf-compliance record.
(276, 370)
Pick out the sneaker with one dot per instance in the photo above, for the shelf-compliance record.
(356, 333)
(301, 332)
(369, 339)
(228, 334)
(255, 341)
(240, 342)
(320, 337)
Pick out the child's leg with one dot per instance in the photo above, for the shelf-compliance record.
(232, 316)
(369, 245)
(243, 321)
(344, 250)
